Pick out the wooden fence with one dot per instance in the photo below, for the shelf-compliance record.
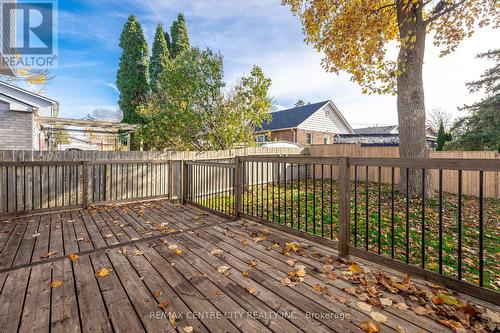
(45, 180)
(470, 180)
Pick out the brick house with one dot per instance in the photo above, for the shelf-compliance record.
(316, 123)
(19, 109)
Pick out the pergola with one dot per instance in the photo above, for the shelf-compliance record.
(97, 126)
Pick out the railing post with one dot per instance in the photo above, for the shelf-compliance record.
(85, 184)
(237, 187)
(344, 208)
(184, 181)
(170, 184)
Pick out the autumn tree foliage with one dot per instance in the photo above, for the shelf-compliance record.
(354, 36)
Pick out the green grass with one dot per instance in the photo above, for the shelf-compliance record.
(268, 202)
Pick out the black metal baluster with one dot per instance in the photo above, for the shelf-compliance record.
(257, 190)
(252, 182)
(291, 195)
(440, 221)
(314, 199)
(481, 229)
(272, 166)
(322, 200)
(262, 190)
(306, 198)
(331, 201)
(459, 263)
(267, 191)
(279, 193)
(407, 235)
(355, 206)
(423, 218)
(366, 209)
(392, 212)
(379, 211)
(284, 188)
(298, 196)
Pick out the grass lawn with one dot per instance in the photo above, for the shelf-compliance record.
(322, 220)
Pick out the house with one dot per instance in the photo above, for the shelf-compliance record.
(18, 110)
(380, 136)
(316, 123)
(30, 121)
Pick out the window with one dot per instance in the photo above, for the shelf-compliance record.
(261, 138)
(309, 138)
(326, 140)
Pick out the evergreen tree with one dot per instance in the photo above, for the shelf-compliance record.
(441, 138)
(132, 77)
(159, 58)
(180, 36)
(169, 43)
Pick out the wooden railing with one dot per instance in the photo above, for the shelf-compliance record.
(449, 238)
(30, 187)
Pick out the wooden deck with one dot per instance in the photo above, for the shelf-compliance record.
(178, 268)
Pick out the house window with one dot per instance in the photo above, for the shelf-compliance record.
(309, 138)
(326, 140)
(261, 138)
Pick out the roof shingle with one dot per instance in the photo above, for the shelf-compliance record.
(291, 118)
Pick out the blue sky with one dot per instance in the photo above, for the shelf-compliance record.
(248, 32)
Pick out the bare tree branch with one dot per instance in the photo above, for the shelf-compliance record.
(443, 8)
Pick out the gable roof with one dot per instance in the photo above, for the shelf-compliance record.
(376, 130)
(291, 118)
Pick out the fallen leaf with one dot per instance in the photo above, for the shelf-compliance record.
(420, 310)
(253, 263)
(437, 300)
(386, 301)
(300, 271)
(291, 262)
(163, 304)
(178, 251)
(287, 282)
(246, 274)
(56, 283)
(216, 252)
(173, 320)
(449, 300)
(363, 306)
(138, 253)
(400, 329)
(401, 306)
(244, 242)
(103, 272)
(187, 329)
(172, 247)
(157, 293)
(251, 290)
(259, 239)
(223, 269)
(36, 235)
(369, 327)
(73, 256)
(355, 268)
(48, 255)
(108, 236)
(377, 316)
(293, 246)
(275, 246)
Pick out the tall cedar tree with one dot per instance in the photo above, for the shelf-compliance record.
(132, 77)
(180, 36)
(159, 59)
(441, 138)
(354, 35)
(169, 43)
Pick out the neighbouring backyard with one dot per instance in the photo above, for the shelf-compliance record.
(314, 208)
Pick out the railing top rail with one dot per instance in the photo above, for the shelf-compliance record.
(213, 164)
(66, 163)
(292, 159)
(429, 163)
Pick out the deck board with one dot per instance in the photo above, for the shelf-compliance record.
(137, 242)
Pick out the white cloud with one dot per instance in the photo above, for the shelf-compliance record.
(113, 86)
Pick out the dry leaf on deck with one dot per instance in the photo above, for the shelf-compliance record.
(355, 268)
(253, 263)
(103, 272)
(173, 320)
(369, 327)
(73, 256)
(420, 310)
(293, 246)
(178, 251)
(163, 304)
(216, 251)
(56, 283)
(364, 306)
(291, 262)
(378, 317)
(108, 236)
(246, 274)
(251, 290)
(223, 269)
(187, 329)
(157, 293)
(401, 306)
(138, 253)
(36, 235)
(386, 301)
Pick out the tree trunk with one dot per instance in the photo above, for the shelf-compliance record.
(410, 98)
